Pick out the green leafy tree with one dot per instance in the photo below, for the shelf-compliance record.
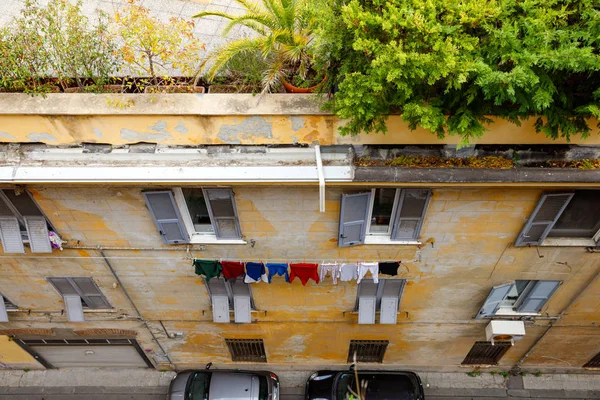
(447, 65)
(283, 36)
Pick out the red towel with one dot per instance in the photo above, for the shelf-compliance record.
(304, 272)
(232, 269)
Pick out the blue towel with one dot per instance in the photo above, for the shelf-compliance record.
(255, 270)
(278, 269)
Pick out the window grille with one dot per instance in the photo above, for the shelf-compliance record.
(594, 362)
(251, 350)
(367, 350)
(484, 353)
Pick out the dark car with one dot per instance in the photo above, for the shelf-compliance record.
(381, 385)
(224, 385)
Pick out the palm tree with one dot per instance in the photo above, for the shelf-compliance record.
(282, 36)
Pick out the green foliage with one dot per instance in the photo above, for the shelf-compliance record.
(56, 39)
(447, 65)
(503, 373)
(537, 373)
(282, 35)
(243, 70)
(474, 373)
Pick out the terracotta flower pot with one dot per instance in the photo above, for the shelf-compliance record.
(293, 89)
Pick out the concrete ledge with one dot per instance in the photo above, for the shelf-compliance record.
(467, 175)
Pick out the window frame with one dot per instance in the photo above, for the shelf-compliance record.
(229, 290)
(204, 237)
(8, 304)
(85, 301)
(387, 234)
(508, 308)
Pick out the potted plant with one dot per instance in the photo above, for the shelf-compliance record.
(155, 51)
(283, 36)
(242, 74)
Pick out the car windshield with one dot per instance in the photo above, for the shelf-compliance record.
(263, 390)
(344, 383)
(379, 386)
(198, 387)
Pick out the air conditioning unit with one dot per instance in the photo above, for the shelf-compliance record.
(505, 331)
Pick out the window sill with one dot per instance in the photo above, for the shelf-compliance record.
(565, 242)
(208, 239)
(374, 239)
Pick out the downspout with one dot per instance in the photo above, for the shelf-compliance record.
(114, 273)
(321, 178)
(555, 321)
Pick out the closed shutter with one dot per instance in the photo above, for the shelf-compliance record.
(223, 213)
(535, 299)
(544, 216)
(3, 313)
(91, 294)
(10, 234)
(410, 215)
(354, 211)
(166, 216)
(366, 309)
(496, 296)
(37, 231)
(220, 308)
(63, 286)
(74, 308)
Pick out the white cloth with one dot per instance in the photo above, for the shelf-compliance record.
(263, 278)
(363, 267)
(332, 268)
(348, 272)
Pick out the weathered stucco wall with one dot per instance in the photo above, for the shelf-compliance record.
(472, 231)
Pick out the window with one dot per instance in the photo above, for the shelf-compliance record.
(383, 297)
(9, 305)
(22, 220)
(195, 215)
(486, 353)
(518, 298)
(382, 215)
(594, 362)
(563, 218)
(79, 294)
(250, 350)
(227, 295)
(367, 350)
(5, 304)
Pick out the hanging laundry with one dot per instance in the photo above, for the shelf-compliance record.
(348, 272)
(304, 272)
(208, 268)
(232, 269)
(331, 268)
(278, 269)
(255, 272)
(363, 267)
(389, 268)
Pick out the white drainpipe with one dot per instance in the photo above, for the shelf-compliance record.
(321, 179)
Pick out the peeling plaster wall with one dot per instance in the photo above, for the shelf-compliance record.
(473, 230)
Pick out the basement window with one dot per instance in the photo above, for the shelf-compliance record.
(564, 219)
(486, 353)
(369, 351)
(382, 297)
(594, 363)
(521, 297)
(247, 350)
(22, 221)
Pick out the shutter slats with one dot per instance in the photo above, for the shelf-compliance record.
(166, 216)
(544, 216)
(10, 234)
(492, 302)
(223, 213)
(354, 211)
(37, 230)
(538, 296)
(410, 215)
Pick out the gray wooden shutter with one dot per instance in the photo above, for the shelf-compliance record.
(3, 313)
(166, 216)
(90, 293)
(63, 285)
(390, 300)
(220, 308)
(496, 296)
(74, 308)
(412, 206)
(10, 234)
(544, 216)
(241, 306)
(223, 213)
(535, 299)
(366, 309)
(354, 211)
(37, 231)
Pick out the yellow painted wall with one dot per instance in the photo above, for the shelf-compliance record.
(472, 231)
(14, 357)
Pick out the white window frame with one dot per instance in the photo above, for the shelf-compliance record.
(392, 215)
(509, 306)
(198, 237)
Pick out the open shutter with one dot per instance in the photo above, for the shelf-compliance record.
(366, 309)
(496, 296)
(412, 206)
(241, 306)
(37, 230)
(64, 286)
(3, 313)
(74, 308)
(544, 216)
(596, 238)
(223, 213)
(535, 299)
(354, 211)
(10, 234)
(220, 308)
(91, 294)
(166, 216)
(390, 300)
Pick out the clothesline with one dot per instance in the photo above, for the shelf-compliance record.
(299, 260)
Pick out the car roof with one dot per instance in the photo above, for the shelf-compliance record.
(233, 386)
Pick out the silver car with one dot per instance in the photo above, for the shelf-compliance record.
(224, 385)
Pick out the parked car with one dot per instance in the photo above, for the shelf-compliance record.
(381, 385)
(224, 385)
